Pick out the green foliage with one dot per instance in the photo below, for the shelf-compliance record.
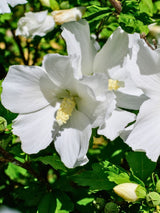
(96, 179)
(16, 173)
(40, 183)
(54, 5)
(54, 161)
(136, 16)
(95, 13)
(47, 203)
(141, 166)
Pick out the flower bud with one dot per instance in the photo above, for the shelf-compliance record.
(158, 186)
(127, 191)
(63, 16)
(45, 3)
(111, 208)
(153, 199)
(141, 192)
(3, 124)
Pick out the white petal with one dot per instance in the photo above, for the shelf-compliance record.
(124, 74)
(148, 60)
(93, 109)
(35, 23)
(116, 123)
(50, 90)
(15, 2)
(59, 69)
(46, 26)
(35, 129)
(99, 84)
(113, 52)
(77, 37)
(146, 132)
(73, 141)
(21, 89)
(4, 8)
(150, 84)
(129, 101)
(125, 133)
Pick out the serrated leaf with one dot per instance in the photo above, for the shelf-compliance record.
(119, 178)
(54, 161)
(47, 204)
(96, 179)
(141, 166)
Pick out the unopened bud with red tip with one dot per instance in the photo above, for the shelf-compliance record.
(63, 16)
(130, 192)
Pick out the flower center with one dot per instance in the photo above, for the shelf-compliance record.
(114, 84)
(65, 111)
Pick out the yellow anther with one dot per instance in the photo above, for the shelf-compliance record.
(114, 84)
(65, 111)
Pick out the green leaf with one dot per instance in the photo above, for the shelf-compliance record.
(85, 201)
(146, 6)
(47, 204)
(94, 13)
(97, 179)
(64, 203)
(54, 5)
(132, 24)
(54, 161)
(119, 178)
(127, 22)
(16, 173)
(141, 166)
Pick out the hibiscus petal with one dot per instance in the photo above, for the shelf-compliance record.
(73, 141)
(15, 2)
(150, 84)
(116, 123)
(148, 60)
(145, 134)
(35, 129)
(98, 82)
(59, 69)
(77, 37)
(21, 89)
(113, 52)
(4, 8)
(129, 101)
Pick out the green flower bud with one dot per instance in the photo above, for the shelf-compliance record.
(127, 191)
(111, 208)
(3, 124)
(153, 199)
(158, 186)
(141, 192)
(45, 3)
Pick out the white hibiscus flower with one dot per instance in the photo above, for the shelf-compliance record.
(4, 8)
(52, 105)
(35, 23)
(145, 133)
(109, 64)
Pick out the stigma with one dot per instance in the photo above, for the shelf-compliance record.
(114, 84)
(65, 111)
